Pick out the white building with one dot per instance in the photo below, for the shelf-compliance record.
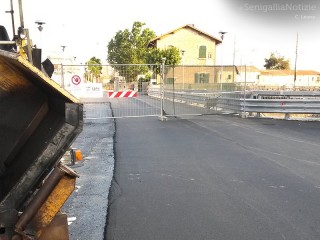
(304, 78)
(248, 75)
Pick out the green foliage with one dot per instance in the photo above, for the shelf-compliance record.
(146, 77)
(130, 47)
(172, 56)
(276, 62)
(93, 71)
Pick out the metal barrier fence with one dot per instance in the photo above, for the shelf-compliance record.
(157, 90)
(181, 103)
(139, 106)
(251, 102)
(133, 101)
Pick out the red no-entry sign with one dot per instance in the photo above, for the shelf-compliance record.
(76, 80)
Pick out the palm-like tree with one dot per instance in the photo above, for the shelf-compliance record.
(93, 71)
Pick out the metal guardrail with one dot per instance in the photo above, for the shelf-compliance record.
(202, 100)
(286, 102)
(206, 100)
(271, 102)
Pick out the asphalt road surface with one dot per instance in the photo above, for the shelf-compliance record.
(215, 178)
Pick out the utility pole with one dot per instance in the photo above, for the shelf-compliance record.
(12, 20)
(234, 58)
(40, 28)
(295, 64)
(221, 67)
(182, 53)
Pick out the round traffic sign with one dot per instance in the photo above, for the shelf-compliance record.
(76, 80)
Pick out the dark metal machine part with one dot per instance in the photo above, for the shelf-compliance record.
(38, 123)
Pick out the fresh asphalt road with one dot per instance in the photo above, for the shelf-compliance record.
(215, 178)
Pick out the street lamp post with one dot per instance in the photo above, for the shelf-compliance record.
(295, 64)
(62, 62)
(40, 28)
(221, 67)
(182, 53)
(37, 51)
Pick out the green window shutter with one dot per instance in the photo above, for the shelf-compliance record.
(169, 80)
(196, 78)
(206, 78)
(201, 77)
(202, 52)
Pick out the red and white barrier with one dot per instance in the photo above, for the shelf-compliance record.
(123, 94)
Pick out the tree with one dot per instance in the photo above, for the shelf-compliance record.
(130, 47)
(172, 56)
(93, 70)
(276, 62)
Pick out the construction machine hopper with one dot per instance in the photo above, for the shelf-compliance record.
(39, 120)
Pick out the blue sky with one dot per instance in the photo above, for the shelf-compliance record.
(255, 27)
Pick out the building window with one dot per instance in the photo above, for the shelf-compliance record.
(170, 80)
(201, 77)
(258, 77)
(209, 55)
(202, 51)
(229, 76)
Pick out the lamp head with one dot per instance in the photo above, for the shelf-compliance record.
(40, 23)
(222, 34)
